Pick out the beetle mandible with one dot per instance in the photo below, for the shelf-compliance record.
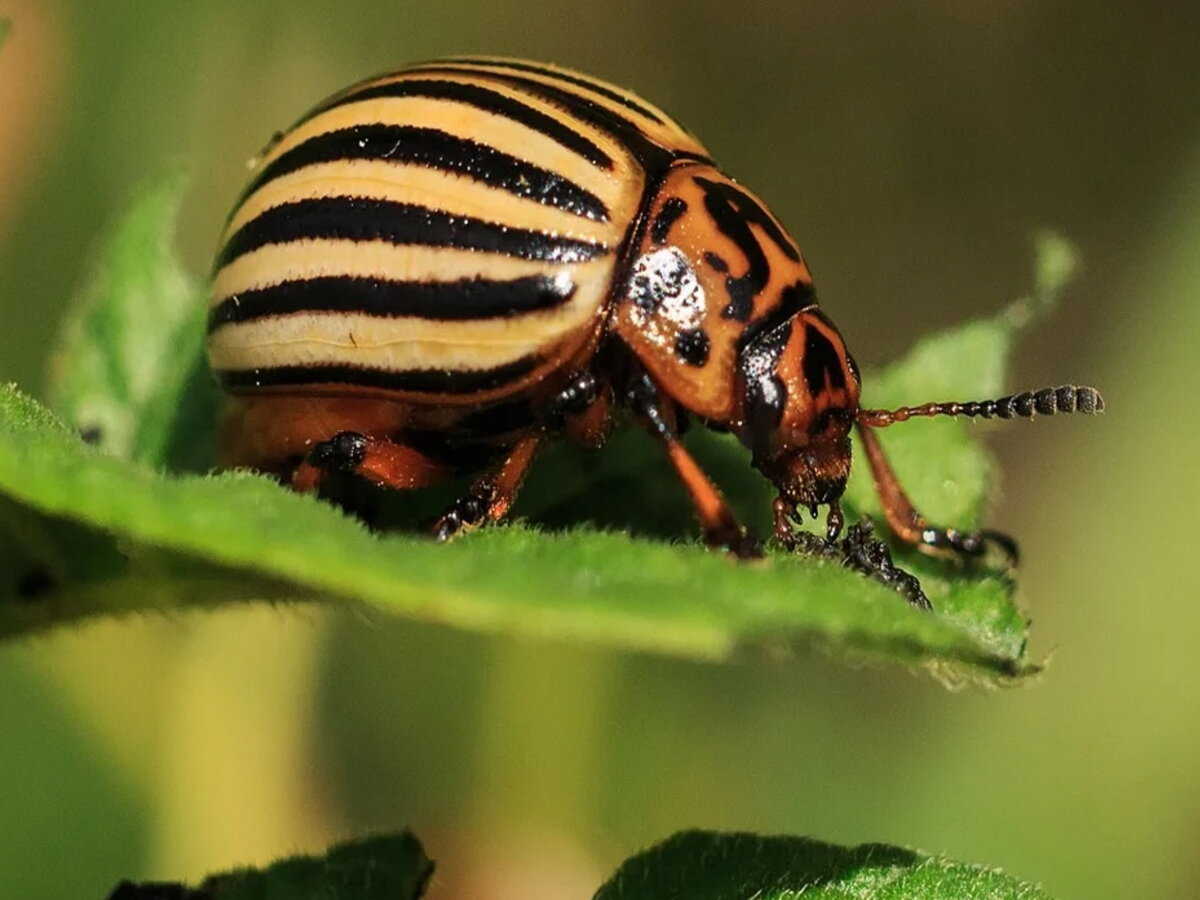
(437, 270)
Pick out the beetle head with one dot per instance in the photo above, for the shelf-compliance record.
(801, 391)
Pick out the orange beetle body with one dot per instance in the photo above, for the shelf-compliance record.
(437, 270)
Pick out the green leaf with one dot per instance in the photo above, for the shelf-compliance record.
(700, 865)
(5, 30)
(672, 598)
(386, 867)
(132, 341)
(604, 549)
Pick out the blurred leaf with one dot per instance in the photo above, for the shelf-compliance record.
(132, 339)
(604, 587)
(700, 865)
(59, 788)
(5, 30)
(386, 867)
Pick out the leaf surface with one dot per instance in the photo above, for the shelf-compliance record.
(700, 865)
(384, 867)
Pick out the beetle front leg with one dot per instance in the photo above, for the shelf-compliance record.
(859, 549)
(910, 526)
(717, 523)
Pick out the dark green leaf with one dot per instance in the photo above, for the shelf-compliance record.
(698, 865)
(387, 867)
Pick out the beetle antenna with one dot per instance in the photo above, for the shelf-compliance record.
(1046, 402)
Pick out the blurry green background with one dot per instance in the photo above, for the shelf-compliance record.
(912, 147)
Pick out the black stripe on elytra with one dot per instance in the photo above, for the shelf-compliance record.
(447, 301)
(667, 216)
(652, 157)
(368, 219)
(427, 381)
(481, 98)
(734, 211)
(822, 363)
(595, 87)
(437, 149)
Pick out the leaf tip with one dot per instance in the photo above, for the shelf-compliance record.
(1056, 263)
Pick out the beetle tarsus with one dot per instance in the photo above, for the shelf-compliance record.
(859, 549)
(464, 514)
(969, 544)
(491, 496)
(865, 553)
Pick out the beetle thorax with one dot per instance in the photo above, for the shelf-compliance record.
(709, 270)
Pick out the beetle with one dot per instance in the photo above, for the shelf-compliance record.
(437, 270)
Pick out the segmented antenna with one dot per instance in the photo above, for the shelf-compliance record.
(1046, 402)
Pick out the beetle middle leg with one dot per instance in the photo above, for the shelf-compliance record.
(717, 522)
(490, 497)
(911, 527)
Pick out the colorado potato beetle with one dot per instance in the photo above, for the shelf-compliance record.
(435, 271)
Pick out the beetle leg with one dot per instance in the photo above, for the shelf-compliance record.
(717, 522)
(582, 410)
(491, 496)
(380, 461)
(858, 549)
(910, 526)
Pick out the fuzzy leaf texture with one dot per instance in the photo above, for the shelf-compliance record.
(603, 549)
(699, 865)
(386, 867)
(693, 865)
(134, 335)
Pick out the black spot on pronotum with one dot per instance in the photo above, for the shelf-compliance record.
(91, 435)
(692, 346)
(716, 262)
(667, 216)
(797, 296)
(821, 362)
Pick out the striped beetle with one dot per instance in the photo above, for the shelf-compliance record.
(436, 270)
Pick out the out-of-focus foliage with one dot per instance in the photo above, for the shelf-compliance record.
(702, 865)
(134, 338)
(386, 867)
